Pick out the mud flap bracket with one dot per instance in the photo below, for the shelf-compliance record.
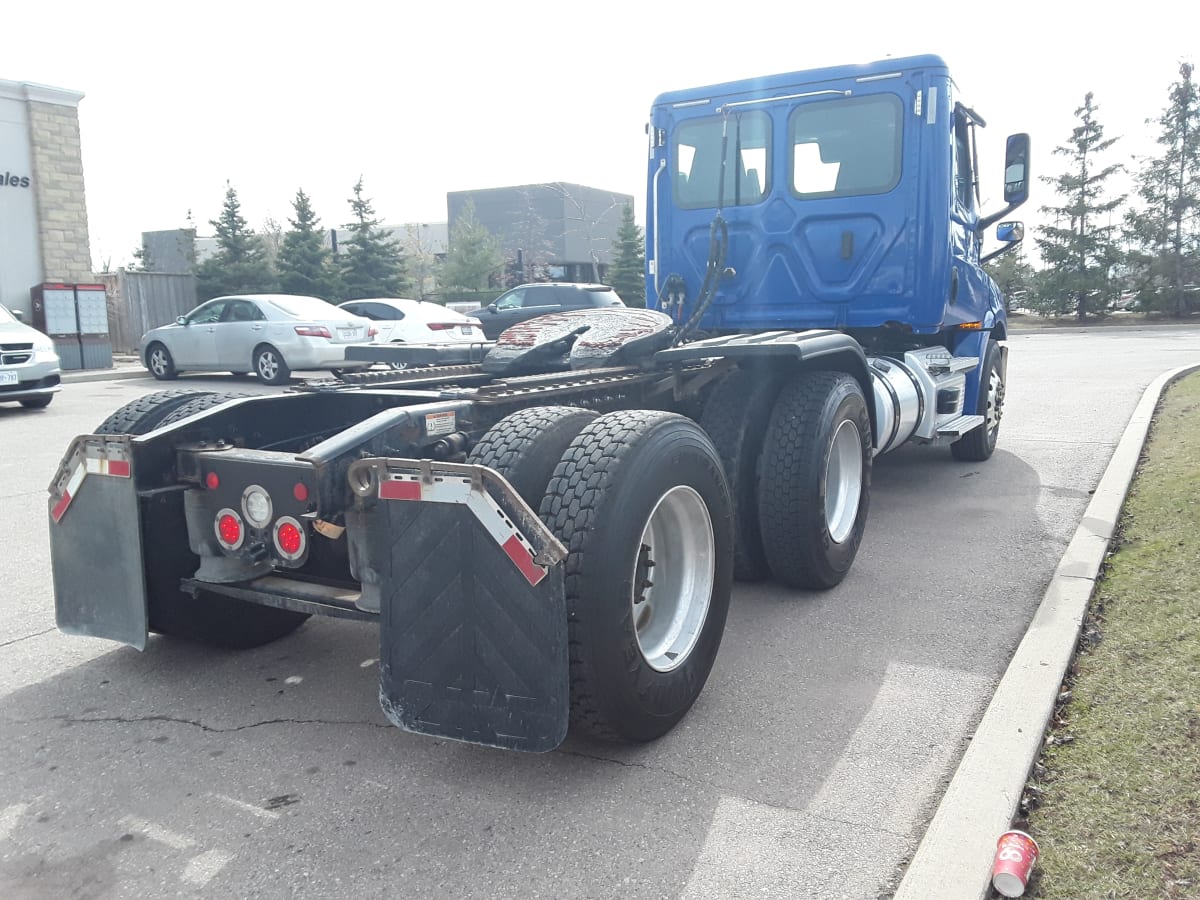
(469, 583)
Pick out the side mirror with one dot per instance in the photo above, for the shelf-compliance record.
(181, 320)
(1016, 170)
(1010, 232)
(18, 315)
(491, 307)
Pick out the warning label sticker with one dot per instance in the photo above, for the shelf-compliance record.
(439, 423)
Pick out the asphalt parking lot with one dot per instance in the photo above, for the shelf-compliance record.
(808, 767)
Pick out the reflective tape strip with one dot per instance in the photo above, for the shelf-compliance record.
(399, 490)
(494, 520)
(523, 559)
(61, 506)
(118, 468)
(69, 492)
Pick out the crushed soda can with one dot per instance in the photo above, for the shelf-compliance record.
(1016, 853)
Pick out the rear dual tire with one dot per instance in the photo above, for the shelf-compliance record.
(640, 501)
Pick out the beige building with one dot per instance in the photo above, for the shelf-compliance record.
(43, 215)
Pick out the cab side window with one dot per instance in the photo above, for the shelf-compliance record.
(963, 178)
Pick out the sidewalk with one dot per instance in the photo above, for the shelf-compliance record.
(954, 858)
(123, 367)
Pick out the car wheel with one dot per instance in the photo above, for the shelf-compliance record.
(160, 363)
(641, 503)
(270, 366)
(37, 402)
(397, 366)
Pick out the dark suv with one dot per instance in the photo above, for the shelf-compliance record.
(528, 301)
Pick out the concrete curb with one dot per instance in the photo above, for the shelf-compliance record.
(954, 860)
(104, 374)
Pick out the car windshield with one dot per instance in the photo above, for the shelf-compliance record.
(308, 308)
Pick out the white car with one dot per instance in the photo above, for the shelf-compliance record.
(415, 322)
(29, 367)
(269, 334)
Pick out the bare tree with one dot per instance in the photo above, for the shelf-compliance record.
(583, 221)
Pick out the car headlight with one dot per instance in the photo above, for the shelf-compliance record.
(45, 345)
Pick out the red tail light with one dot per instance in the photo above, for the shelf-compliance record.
(440, 326)
(228, 527)
(372, 331)
(313, 331)
(289, 538)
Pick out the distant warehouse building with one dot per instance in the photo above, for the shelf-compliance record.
(563, 231)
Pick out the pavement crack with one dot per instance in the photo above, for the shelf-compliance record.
(212, 729)
(28, 636)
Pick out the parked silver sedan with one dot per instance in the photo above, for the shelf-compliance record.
(269, 334)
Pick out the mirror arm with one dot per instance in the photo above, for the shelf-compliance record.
(988, 221)
(998, 253)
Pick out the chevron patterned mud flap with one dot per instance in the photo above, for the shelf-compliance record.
(468, 583)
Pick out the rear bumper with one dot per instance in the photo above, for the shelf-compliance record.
(317, 353)
(470, 602)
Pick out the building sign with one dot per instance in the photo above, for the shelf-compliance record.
(8, 179)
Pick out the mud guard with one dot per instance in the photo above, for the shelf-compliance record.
(469, 586)
(96, 542)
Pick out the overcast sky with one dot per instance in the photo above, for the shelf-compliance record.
(425, 98)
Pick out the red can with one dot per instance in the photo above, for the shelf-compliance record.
(1016, 853)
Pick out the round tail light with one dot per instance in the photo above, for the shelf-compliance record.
(289, 538)
(228, 526)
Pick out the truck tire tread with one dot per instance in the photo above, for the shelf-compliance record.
(796, 541)
(580, 496)
(526, 447)
(144, 414)
(199, 404)
(735, 418)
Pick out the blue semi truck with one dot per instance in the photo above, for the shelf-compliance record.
(546, 528)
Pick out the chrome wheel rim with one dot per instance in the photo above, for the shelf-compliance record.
(843, 481)
(158, 362)
(268, 366)
(995, 402)
(673, 578)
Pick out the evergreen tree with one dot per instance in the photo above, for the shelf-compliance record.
(1014, 276)
(373, 264)
(240, 264)
(474, 253)
(1079, 249)
(304, 262)
(1165, 230)
(627, 275)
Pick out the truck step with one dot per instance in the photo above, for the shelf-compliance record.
(944, 362)
(959, 426)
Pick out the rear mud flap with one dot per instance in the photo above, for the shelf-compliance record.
(469, 585)
(96, 543)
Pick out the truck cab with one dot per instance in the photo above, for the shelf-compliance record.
(843, 198)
